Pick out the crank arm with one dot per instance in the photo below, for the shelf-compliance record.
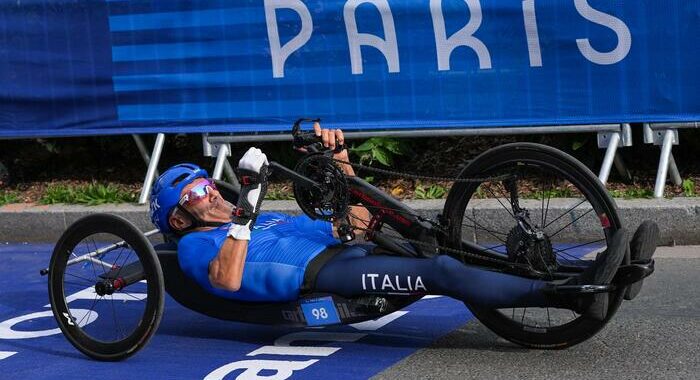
(629, 274)
(578, 289)
(296, 177)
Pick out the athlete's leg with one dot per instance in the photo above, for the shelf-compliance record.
(355, 272)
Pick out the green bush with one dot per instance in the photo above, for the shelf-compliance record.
(90, 194)
(8, 197)
(434, 191)
(688, 187)
(380, 149)
(632, 193)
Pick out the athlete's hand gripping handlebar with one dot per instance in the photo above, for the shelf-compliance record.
(309, 141)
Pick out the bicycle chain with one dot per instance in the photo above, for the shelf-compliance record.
(423, 177)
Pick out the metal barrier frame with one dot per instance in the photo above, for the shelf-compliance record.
(610, 136)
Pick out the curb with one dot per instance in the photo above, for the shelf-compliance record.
(678, 218)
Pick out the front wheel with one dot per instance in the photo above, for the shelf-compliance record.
(568, 218)
(106, 287)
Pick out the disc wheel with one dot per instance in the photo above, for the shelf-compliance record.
(97, 316)
(565, 202)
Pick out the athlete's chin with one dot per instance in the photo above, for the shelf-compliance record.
(220, 211)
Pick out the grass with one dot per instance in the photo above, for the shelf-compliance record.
(434, 191)
(89, 194)
(632, 193)
(8, 197)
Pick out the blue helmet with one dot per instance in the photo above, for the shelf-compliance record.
(166, 192)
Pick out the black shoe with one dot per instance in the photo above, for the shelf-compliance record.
(642, 248)
(601, 272)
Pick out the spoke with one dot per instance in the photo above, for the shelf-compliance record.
(92, 265)
(80, 285)
(133, 296)
(578, 246)
(94, 302)
(116, 320)
(116, 261)
(562, 215)
(546, 212)
(94, 243)
(499, 201)
(570, 223)
(486, 229)
(549, 321)
(89, 281)
(125, 261)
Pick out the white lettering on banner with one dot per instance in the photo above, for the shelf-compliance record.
(281, 53)
(532, 33)
(463, 37)
(7, 332)
(624, 38)
(387, 46)
(283, 345)
(6, 354)
(283, 369)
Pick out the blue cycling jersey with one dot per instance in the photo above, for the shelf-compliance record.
(280, 248)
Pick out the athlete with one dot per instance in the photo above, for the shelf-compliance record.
(240, 253)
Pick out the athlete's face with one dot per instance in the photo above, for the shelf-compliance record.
(204, 202)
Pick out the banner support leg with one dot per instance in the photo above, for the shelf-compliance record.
(622, 168)
(673, 170)
(221, 155)
(662, 172)
(228, 170)
(152, 168)
(609, 157)
(142, 149)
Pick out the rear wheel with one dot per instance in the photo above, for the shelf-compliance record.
(108, 304)
(572, 219)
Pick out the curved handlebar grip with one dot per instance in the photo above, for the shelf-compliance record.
(309, 140)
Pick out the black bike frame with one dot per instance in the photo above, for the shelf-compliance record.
(388, 210)
(405, 220)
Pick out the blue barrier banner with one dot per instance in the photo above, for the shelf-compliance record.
(87, 67)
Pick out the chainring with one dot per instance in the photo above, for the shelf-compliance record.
(524, 249)
(331, 201)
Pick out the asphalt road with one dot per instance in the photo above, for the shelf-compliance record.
(655, 336)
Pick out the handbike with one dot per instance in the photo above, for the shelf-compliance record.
(541, 214)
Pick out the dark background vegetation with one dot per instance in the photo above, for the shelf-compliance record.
(115, 159)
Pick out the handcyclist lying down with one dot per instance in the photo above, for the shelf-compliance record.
(242, 254)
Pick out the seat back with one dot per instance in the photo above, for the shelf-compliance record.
(192, 296)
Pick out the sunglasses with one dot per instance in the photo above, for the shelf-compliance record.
(198, 192)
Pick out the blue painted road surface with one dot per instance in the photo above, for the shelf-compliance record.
(188, 345)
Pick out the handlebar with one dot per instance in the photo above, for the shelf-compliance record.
(309, 140)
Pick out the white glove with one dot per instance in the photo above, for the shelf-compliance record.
(253, 160)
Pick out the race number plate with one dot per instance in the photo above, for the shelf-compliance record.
(320, 311)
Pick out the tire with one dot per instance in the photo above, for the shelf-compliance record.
(523, 158)
(73, 284)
